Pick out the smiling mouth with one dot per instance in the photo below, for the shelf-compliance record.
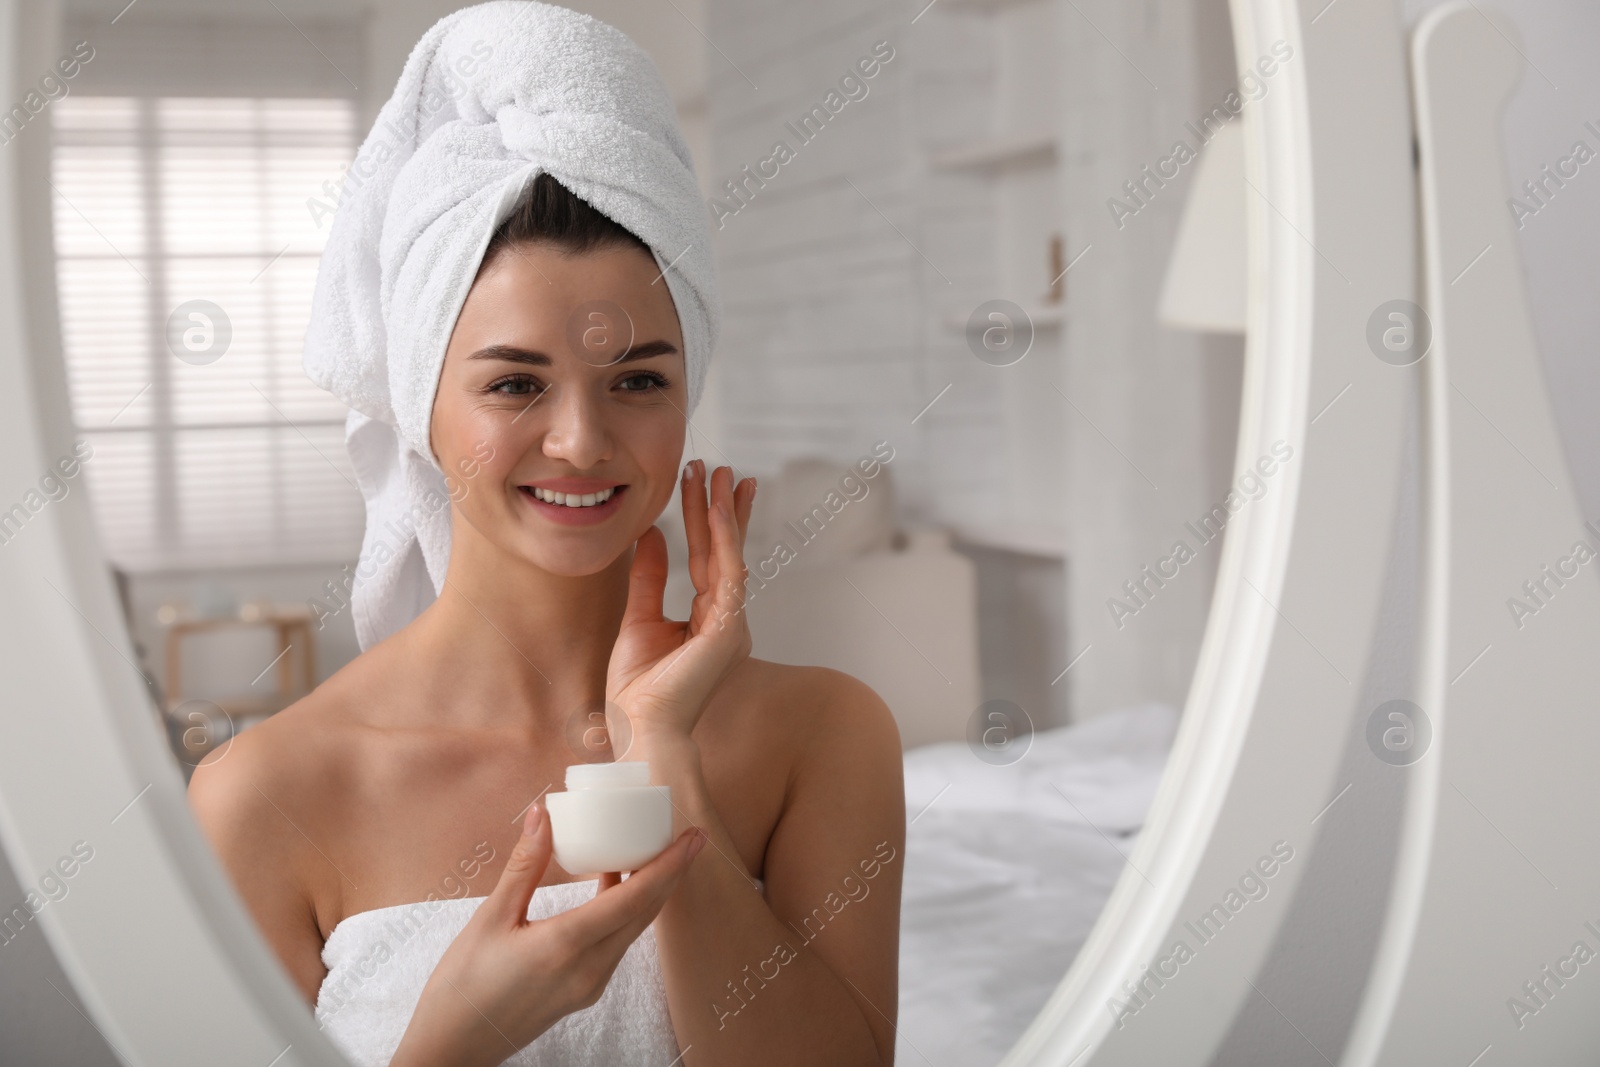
(572, 500)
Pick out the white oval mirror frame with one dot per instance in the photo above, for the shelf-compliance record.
(1296, 603)
(91, 768)
(165, 957)
(1509, 785)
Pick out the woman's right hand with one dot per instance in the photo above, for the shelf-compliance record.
(506, 980)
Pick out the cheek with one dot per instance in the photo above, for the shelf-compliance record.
(658, 445)
(478, 450)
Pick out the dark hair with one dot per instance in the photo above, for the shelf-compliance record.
(548, 212)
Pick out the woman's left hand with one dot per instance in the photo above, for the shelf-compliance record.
(662, 671)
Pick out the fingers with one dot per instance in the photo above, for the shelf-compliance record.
(618, 941)
(697, 516)
(727, 549)
(508, 901)
(721, 498)
(632, 904)
(738, 499)
(647, 578)
(694, 523)
(745, 497)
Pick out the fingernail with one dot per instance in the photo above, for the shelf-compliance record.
(688, 469)
(697, 842)
(722, 508)
(530, 823)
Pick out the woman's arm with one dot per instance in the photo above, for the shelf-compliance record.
(807, 974)
(234, 799)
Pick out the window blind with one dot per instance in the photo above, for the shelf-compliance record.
(186, 227)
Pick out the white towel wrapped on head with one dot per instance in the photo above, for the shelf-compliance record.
(491, 96)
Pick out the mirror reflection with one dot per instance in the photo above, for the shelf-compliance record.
(425, 505)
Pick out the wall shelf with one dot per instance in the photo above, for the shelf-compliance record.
(1031, 538)
(1043, 317)
(995, 153)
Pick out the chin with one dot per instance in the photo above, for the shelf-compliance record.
(571, 553)
(573, 560)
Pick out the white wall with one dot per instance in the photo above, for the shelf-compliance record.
(1152, 434)
(228, 663)
(841, 273)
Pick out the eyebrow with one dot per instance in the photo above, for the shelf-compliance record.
(513, 354)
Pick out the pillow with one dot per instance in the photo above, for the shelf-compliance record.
(826, 512)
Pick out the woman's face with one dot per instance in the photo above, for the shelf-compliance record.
(564, 375)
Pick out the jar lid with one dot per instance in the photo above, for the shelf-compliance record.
(600, 775)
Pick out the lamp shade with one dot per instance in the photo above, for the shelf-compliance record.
(1205, 283)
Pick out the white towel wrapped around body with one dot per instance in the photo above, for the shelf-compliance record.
(379, 961)
(490, 97)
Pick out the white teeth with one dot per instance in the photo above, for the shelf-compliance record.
(574, 500)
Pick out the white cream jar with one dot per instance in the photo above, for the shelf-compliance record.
(610, 818)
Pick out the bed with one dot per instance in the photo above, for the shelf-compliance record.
(1006, 870)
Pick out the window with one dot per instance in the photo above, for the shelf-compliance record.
(186, 227)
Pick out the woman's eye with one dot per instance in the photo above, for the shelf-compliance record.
(515, 385)
(643, 382)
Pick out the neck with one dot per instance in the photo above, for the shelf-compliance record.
(516, 646)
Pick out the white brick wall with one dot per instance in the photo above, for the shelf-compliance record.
(837, 308)
(833, 317)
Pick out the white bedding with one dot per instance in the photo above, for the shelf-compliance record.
(1007, 870)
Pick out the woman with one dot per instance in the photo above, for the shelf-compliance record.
(412, 769)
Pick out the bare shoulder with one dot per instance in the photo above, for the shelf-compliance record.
(254, 795)
(273, 783)
(830, 859)
(817, 712)
(258, 799)
(283, 756)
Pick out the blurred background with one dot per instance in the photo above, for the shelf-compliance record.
(199, 156)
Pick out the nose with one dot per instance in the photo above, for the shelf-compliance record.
(577, 433)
